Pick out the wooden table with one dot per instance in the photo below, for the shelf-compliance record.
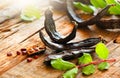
(16, 34)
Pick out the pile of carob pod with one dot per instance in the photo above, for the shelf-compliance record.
(60, 46)
(111, 22)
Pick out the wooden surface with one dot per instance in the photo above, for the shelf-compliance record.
(16, 34)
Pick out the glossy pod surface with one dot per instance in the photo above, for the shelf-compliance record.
(52, 32)
(84, 43)
(68, 54)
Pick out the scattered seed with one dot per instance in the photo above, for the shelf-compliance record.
(29, 59)
(9, 54)
(18, 52)
(35, 57)
(24, 52)
(23, 49)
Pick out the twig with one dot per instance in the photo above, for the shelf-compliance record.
(96, 62)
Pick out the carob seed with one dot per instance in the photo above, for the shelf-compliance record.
(18, 52)
(9, 54)
(35, 57)
(29, 59)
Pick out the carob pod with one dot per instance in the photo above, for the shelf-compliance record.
(71, 12)
(105, 24)
(51, 29)
(97, 17)
(68, 54)
(60, 5)
(32, 53)
(109, 23)
(35, 50)
(74, 17)
(60, 47)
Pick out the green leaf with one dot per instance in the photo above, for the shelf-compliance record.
(85, 59)
(25, 18)
(103, 66)
(102, 50)
(85, 8)
(115, 9)
(30, 13)
(98, 3)
(61, 64)
(70, 73)
(110, 1)
(88, 70)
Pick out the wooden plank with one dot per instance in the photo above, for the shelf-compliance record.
(66, 27)
(13, 48)
(25, 30)
(9, 19)
(40, 60)
(17, 67)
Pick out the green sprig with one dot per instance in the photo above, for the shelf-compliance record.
(85, 59)
(99, 4)
(85, 8)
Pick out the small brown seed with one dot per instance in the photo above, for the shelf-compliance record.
(24, 52)
(18, 52)
(35, 57)
(23, 49)
(29, 59)
(9, 54)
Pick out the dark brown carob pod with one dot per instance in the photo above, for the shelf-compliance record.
(71, 12)
(51, 29)
(97, 17)
(109, 23)
(105, 24)
(60, 47)
(68, 54)
(74, 17)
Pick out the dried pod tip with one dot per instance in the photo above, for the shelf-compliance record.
(75, 23)
(48, 12)
(115, 41)
(103, 40)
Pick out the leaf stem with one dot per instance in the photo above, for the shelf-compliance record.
(96, 62)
